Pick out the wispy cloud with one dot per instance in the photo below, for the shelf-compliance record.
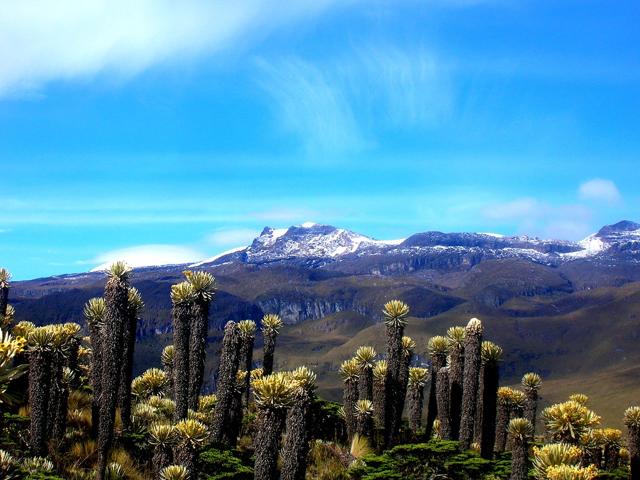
(534, 216)
(231, 237)
(600, 189)
(144, 255)
(339, 104)
(43, 41)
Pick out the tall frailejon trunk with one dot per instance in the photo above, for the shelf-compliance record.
(403, 378)
(55, 394)
(350, 397)
(393, 388)
(633, 430)
(4, 292)
(519, 459)
(296, 444)
(62, 405)
(126, 372)
(229, 362)
(167, 359)
(502, 421)
(95, 332)
(488, 405)
(247, 336)
(268, 351)
(472, 345)
(162, 457)
(365, 383)
(365, 425)
(198, 334)
(187, 456)
(379, 402)
(442, 398)
(267, 442)
(39, 386)
(416, 399)
(181, 323)
(438, 361)
(456, 369)
(115, 322)
(236, 415)
(531, 405)
(477, 423)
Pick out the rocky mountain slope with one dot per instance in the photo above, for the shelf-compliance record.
(565, 308)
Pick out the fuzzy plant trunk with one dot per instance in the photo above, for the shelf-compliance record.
(416, 399)
(438, 361)
(403, 382)
(611, 456)
(487, 409)
(444, 408)
(379, 398)
(162, 457)
(4, 300)
(61, 407)
(269, 348)
(502, 422)
(236, 415)
(199, 331)
(39, 386)
(514, 412)
(115, 323)
(72, 362)
(531, 405)
(181, 321)
(472, 344)
(477, 421)
(456, 372)
(519, 459)
(349, 399)
(393, 388)
(634, 450)
(365, 383)
(246, 360)
(186, 455)
(95, 333)
(126, 372)
(296, 444)
(55, 395)
(365, 425)
(229, 362)
(267, 442)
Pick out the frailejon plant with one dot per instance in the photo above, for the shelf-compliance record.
(182, 296)
(298, 427)
(554, 454)
(417, 381)
(487, 406)
(204, 286)
(247, 330)
(472, 346)
(505, 399)
(349, 370)
(455, 335)
(40, 361)
(273, 395)
(632, 422)
(94, 314)
(115, 320)
(442, 400)
(191, 435)
(438, 348)
(167, 360)
(5, 284)
(364, 418)
(408, 347)
(162, 437)
(521, 431)
(135, 305)
(226, 391)
(379, 379)
(567, 421)
(531, 383)
(271, 325)
(365, 356)
(10, 348)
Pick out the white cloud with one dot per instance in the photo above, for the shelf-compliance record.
(600, 189)
(232, 236)
(521, 207)
(48, 40)
(337, 105)
(145, 255)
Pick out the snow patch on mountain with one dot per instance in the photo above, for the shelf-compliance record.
(216, 257)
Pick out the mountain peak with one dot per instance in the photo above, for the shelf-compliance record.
(617, 228)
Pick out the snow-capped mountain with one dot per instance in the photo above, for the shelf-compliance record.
(325, 244)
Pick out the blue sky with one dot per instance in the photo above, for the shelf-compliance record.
(171, 131)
